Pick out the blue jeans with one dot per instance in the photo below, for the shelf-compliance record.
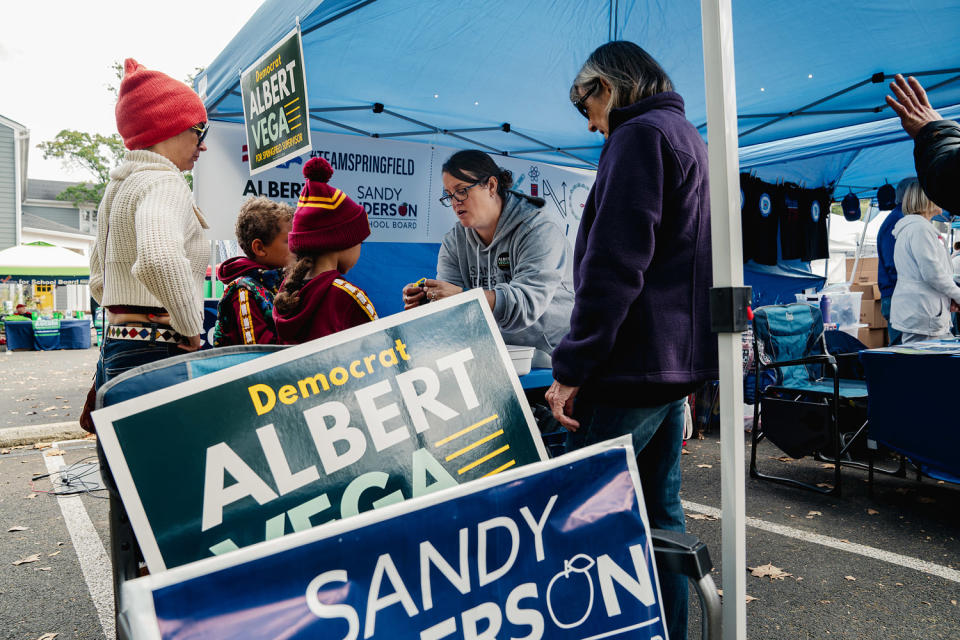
(657, 439)
(119, 356)
(892, 333)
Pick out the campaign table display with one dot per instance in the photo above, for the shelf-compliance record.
(907, 409)
(73, 334)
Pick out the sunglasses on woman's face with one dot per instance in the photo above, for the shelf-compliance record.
(580, 103)
(201, 130)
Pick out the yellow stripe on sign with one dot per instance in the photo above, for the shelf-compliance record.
(499, 469)
(475, 463)
(291, 102)
(440, 443)
(292, 118)
(474, 445)
(296, 127)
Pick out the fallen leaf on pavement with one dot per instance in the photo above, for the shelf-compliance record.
(48, 636)
(4, 452)
(824, 602)
(32, 558)
(872, 512)
(850, 578)
(684, 452)
(811, 514)
(768, 570)
(845, 540)
(700, 435)
(31, 496)
(953, 602)
(49, 409)
(827, 466)
(899, 584)
(825, 485)
(749, 598)
(50, 555)
(700, 516)
(782, 458)
(42, 445)
(705, 466)
(54, 452)
(17, 528)
(43, 569)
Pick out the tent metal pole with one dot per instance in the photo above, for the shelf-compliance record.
(721, 96)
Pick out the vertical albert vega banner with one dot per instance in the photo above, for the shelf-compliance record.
(399, 408)
(275, 113)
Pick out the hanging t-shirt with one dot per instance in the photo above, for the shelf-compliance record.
(762, 218)
(746, 230)
(814, 209)
(791, 224)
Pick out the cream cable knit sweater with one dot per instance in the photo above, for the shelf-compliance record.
(156, 252)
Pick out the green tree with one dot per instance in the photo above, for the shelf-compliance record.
(94, 153)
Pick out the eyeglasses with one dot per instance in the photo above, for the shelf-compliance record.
(201, 130)
(580, 103)
(460, 195)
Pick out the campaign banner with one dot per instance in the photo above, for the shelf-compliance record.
(398, 183)
(361, 419)
(557, 549)
(275, 112)
(46, 327)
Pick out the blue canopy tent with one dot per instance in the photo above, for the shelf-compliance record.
(811, 78)
(458, 76)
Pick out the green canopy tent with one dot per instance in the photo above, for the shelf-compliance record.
(43, 263)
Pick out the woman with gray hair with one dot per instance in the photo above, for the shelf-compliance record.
(639, 339)
(926, 292)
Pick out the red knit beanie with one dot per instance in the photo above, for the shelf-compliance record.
(152, 106)
(326, 219)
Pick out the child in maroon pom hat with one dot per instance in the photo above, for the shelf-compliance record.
(328, 227)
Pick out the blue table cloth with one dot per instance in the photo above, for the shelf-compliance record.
(909, 406)
(73, 334)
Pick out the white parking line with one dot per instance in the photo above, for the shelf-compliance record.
(94, 561)
(835, 543)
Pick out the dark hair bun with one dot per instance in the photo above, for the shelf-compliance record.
(317, 169)
(505, 178)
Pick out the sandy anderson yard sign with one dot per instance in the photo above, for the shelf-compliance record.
(398, 408)
(275, 113)
(556, 550)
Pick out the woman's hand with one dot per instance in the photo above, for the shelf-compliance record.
(560, 398)
(413, 296)
(438, 289)
(911, 104)
(193, 343)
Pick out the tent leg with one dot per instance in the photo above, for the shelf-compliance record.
(721, 97)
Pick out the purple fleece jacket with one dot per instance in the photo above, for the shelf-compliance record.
(642, 262)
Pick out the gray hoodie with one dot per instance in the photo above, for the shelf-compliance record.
(529, 267)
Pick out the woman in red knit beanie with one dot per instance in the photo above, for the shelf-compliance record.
(151, 255)
(150, 258)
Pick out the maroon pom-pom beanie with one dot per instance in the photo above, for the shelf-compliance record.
(326, 219)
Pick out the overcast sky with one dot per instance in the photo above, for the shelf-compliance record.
(56, 57)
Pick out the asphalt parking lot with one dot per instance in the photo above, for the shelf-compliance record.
(854, 566)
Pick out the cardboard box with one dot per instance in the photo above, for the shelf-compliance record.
(872, 338)
(870, 290)
(870, 314)
(867, 270)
